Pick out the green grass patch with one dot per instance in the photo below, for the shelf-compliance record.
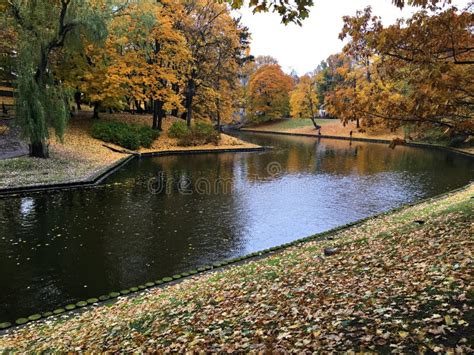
(296, 123)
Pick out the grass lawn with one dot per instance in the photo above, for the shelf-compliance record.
(394, 285)
(293, 123)
(81, 156)
(60, 167)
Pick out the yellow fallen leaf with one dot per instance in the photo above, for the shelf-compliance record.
(403, 335)
(448, 320)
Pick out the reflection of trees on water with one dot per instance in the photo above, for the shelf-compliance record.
(119, 235)
(299, 155)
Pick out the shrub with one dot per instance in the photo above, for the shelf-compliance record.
(199, 134)
(130, 136)
(178, 129)
(206, 133)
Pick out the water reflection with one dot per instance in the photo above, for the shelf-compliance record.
(58, 248)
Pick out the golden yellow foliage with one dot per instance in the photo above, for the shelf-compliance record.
(304, 98)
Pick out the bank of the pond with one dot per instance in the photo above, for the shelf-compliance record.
(399, 282)
(333, 129)
(83, 160)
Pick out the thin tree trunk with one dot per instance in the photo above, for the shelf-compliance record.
(78, 99)
(313, 119)
(175, 111)
(95, 116)
(219, 128)
(189, 109)
(316, 126)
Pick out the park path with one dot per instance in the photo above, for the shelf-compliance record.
(11, 145)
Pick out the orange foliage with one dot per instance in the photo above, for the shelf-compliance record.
(418, 71)
(269, 89)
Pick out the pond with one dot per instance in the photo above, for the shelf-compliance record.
(160, 216)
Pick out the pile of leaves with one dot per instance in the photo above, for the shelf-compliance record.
(126, 135)
(398, 283)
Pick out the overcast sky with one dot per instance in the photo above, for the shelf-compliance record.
(303, 48)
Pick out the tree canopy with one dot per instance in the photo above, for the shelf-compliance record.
(417, 71)
(269, 89)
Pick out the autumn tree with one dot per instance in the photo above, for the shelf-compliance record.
(262, 60)
(417, 71)
(214, 40)
(8, 48)
(304, 99)
(44, 27)
(269, 89)
(230, 60)
(169, 61)
(328, 74)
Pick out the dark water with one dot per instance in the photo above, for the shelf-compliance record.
(61, 247)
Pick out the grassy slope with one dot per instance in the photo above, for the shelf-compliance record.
(394, 285)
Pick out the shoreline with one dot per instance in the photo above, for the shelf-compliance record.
(67, 312)
(98, 177)
(361, 139)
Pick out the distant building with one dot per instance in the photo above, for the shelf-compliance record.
(322, 112)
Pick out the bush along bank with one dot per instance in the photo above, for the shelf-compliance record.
(129, 136)
(200, 133)
(365, 254)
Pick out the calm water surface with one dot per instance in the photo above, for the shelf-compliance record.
(160, 216)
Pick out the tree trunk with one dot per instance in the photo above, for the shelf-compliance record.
(189, 109)
(316, 126)
(219, 128)
(158, 115)
(77, 98)
(39, 150)
(357, 123)
(95, 116)
(175, 111)
(189, 94)
(138, 106)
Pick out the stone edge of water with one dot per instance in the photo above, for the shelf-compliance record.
(362, 139)
(101, 175)
(219, 265)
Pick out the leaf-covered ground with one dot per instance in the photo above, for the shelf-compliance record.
(396, 285)
(80, 156)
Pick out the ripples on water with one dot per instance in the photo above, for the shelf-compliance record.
(58, 248)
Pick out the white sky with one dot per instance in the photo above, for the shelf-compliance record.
(303, 48)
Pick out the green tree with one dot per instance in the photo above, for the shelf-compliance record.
(44, 28)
